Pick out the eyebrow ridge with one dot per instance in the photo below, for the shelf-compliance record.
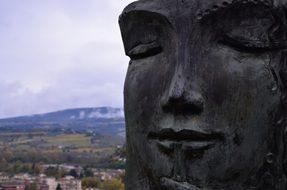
(127, 13)
(227, 4)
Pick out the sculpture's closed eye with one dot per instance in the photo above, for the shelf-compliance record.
(252, 46)
(144, 50)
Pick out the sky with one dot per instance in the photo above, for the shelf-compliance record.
(60, 54)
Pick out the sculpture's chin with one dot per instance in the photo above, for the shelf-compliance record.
(170, 184)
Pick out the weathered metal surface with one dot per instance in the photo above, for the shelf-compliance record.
(205, 94)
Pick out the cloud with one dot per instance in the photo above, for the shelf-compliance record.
(58, 54)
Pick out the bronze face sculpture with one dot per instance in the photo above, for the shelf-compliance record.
(205, 94)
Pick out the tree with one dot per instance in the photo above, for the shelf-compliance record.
(59, 187)
(32, 186)
(91, 182)
(73, 173)
(122, 177)
(51, 171)
(38, 169)
(114, 184)
(88, 173)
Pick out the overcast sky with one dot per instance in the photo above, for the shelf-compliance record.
(59, 54)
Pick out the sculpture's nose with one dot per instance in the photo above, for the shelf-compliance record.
(181, 99)
(190, 103)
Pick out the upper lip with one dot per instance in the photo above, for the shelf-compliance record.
(185, 135)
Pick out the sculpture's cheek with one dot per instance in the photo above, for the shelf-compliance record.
(241, 99)
(146, 82)
(233, 81)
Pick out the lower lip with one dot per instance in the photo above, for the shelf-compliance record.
(172, 184)
(186, 145)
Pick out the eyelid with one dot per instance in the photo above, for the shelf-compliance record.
(144, 50)
(256, 46)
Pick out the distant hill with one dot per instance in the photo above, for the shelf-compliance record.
(103, 120)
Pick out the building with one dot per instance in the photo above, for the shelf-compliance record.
(43, 187)
(13, 186)
(51, 182)
(3, 178)
(107, 174)
(70, 183)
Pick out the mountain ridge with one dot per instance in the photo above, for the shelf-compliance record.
(104, 120)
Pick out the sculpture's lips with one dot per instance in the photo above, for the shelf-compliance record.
(169, 134)
(169, 140)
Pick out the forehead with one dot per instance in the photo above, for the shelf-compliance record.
(176, 8)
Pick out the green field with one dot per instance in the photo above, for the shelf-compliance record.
(57, 148)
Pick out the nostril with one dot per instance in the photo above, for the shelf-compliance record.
(192, 109)
(181, 106)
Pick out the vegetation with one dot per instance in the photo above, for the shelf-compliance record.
(74, 148)
(18, 167)
(32, 186)
(58, 187)
(114, 184)
(28, 152)
(93, 182)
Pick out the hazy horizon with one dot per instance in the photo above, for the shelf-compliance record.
(60, 54)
